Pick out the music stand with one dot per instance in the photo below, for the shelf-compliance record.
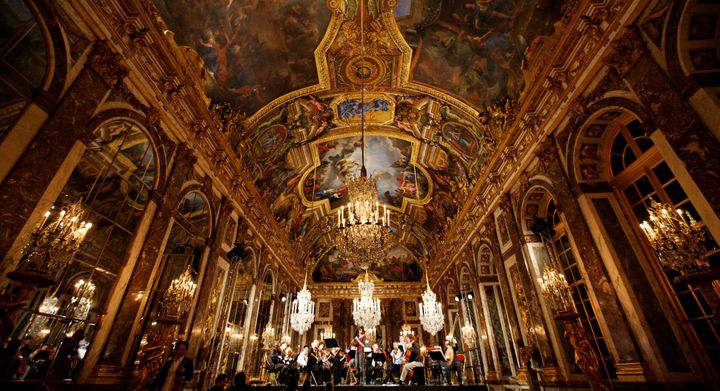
(331, 343)
(378, 357)
(438, 358)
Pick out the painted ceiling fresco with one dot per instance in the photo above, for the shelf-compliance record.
(387, 160)
(254, 51)
(399, 265)
(425, 147)
(474, 49)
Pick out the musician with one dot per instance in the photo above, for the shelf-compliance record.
(176, 370)
(358, 345)
(276, 364)
(302, 358)
(376, 367)
(415, 359)
(314, 366)
(325, 360)
(339, 365)
(397, 357)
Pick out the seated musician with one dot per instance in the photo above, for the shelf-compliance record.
(398, 359)
(276, 360)
(375, 370)
(415, 360)
(302, 358)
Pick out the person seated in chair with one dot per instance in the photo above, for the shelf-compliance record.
(416, 360)
(375, 370)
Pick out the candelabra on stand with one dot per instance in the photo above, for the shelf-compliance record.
(268, 335)
(679, 243)
(557, 293)
(52, 246)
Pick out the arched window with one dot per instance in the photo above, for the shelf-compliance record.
(649, 176)
(23, 60)
(544, 219)
(111, 182)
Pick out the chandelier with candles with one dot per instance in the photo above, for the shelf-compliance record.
(54, 241)
(177, 299)
(678, 240)
(431, 315)
(363, 230)
(82, 298)
(366, 308)
(302, 310)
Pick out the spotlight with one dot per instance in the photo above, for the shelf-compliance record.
(469, 295)
(283, 298)
(457, 297)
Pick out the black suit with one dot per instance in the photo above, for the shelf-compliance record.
(185, 369)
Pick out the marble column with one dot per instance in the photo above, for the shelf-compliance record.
(25, 184)
(616, 328)
(128, 326)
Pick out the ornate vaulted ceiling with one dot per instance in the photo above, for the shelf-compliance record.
(292, 70)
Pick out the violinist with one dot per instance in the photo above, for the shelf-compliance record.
(358, 344)
(376, 364)
(413, 359)
(339, 365)
(276, 364)
(398, 359)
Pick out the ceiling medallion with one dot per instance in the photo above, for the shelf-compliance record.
(365, 69)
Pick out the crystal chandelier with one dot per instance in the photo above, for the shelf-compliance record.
(678, 240)
(302, 310)
(431, 315)
(49, 306)
(178, 297)
(55, 240)
(268, 335)
(366, 309)
(82, 298)
(363, 236)
(555, 289)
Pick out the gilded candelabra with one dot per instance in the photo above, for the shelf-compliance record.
(557, 292)
(177, 299)
(679, 243)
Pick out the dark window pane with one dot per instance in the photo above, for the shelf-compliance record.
(644, 186)
(629, 157)
(675, 192)
(644, 143)
(663, 173)
(636, 129)
(631, 194)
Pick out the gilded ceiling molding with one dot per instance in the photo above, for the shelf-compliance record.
(568, 51)
(170, 78)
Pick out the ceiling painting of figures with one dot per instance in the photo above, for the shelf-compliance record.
(474, 49)
(254, 51)
(388, 159)
(399, 265)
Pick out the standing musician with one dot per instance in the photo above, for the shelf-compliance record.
(358, 344)
(413, 359)
(398, 359)
(314, 366)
